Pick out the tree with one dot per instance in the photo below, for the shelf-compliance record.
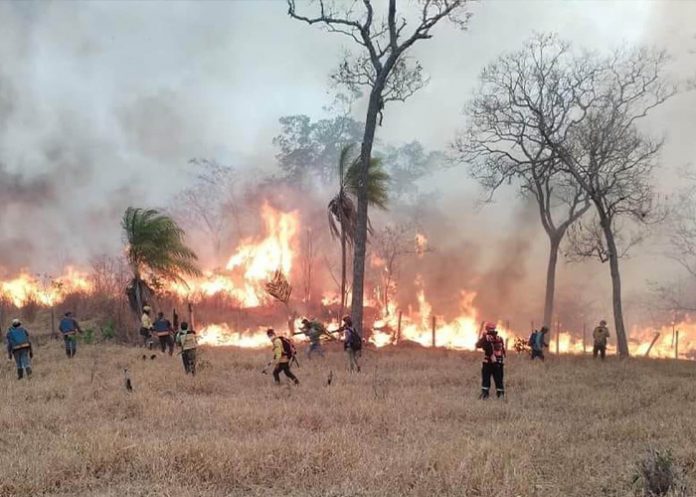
(588, 118)
(209, 203)
(382, 67)
(341, 208)
(390, 245)
(311, 149)
(503, 142)
(155, 249)
(406, 165)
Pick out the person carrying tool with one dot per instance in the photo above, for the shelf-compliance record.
(313, 330)
(19, 347)
(493, 357)
(283, 354)
(69, 328)
(163, 331)
(600, 336)
(187, 340)
(352, 344)
(537, 342)
(146, 326)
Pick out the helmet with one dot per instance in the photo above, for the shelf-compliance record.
(147, 308)
(490, 327)
(16, 322)
(347, 320)
(68, 314)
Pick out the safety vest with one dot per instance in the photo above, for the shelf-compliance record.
(188, 341)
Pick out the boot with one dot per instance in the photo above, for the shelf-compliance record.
(67, 352)
(500, 394)
(20, 373)
(484, 394)
(28, 372)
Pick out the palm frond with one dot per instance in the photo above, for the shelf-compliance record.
(377, 182)
(156, 243)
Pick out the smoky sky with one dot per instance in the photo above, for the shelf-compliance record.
(103, 103)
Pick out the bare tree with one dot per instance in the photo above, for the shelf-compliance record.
(390, 245)
(209, 203)
(382, 67)
(602, 149)
(503, 142)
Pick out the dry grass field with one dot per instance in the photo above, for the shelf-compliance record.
(410, 424)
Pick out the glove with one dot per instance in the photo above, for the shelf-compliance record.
(31, 354)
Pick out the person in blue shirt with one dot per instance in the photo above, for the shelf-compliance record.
(163, 330)
(19, 348)
(537, 341)
(69, 328)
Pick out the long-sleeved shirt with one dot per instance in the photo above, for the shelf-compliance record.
(600, 335)
(68, 326)
(278, 351)
(146, 322)
(17, 338)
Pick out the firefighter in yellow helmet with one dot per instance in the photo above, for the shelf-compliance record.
(146, 326)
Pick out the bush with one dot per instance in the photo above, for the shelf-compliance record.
(88, 336)
(108, 332)
(659, 475)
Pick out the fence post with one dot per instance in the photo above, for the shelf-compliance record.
(584, 340)
(398, 328)
(647, 352)
(434, 324)
(558, 337)
(676, 344)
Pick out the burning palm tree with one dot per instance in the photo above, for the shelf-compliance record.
(342, 207)
(155, 247)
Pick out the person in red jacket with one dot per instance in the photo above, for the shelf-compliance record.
(493, 358)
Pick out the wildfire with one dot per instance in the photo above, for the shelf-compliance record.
(45, 290)
(252, 264)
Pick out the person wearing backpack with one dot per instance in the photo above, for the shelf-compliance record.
(283, 353)
(19, 348)
(313, 330)
(537, 342)
(69, 328)
(352, 344)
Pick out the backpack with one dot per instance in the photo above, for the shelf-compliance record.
(355, 341)
(532, 337)
(289, 349)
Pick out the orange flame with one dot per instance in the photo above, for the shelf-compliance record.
(26, 287)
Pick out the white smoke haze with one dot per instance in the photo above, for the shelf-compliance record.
(102, 105)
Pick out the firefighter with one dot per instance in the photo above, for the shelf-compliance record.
(283, 354)
(313, 330)
(69, 328)
(352, 344)
(19, 347)
(537, 341)
(187, 340)
(600, 336)
(146, 326)
(493, 358)
(163, 330)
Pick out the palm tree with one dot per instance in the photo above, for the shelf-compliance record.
(154, 248)
(341, 209)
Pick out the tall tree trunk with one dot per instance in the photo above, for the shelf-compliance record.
(621, 339)
(555, 242)
(361, 221)
(343, 271)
